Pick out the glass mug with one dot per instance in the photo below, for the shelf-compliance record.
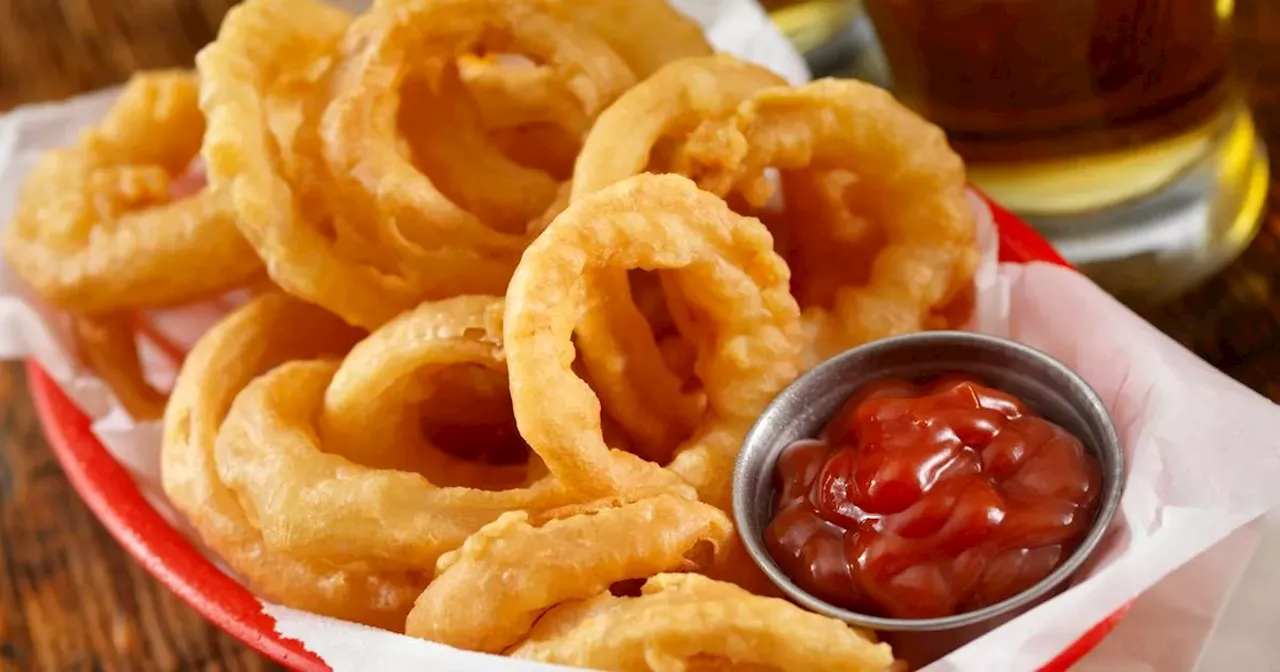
(1113, 126)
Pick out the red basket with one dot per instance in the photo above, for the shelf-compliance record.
(112, 496)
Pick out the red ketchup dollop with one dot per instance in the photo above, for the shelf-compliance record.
(932, 499)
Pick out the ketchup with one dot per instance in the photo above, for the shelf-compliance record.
(926, 500)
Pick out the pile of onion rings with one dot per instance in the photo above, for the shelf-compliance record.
(520, 276)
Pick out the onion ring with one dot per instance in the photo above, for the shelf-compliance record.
(267, 331)
(670, 103)
(304, 497)
(448, 142)
(629, 372)
(370, 413)
(98, 227)
(682, 616)
(930, 249)
(832, 245)
(488, 593)
(639, 390)
(420, 39)
(264, 85)
(511, 95)
(525, 105)
(724, 266)
(305, 500)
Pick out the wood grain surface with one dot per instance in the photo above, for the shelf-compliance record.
(70, 599)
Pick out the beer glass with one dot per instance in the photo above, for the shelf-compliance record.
(1113, 126)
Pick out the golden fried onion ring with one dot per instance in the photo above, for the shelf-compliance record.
(681, 617)
(832, 245)
(513, 93)
(374, 405)
(918, 183)
(723, 265)
(449, 144)
(527, 108)
(510, 93)
(312, 503)
(670, 103)
(267, 331)
(488, 593)
(98, 227)
(639, 390)
(419, 40)
(316, 505)
(264, 85)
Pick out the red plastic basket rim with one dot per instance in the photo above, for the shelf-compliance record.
(111, 494)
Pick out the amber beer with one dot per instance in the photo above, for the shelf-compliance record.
(1034, 83)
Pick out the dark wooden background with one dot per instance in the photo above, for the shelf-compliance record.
(71, 599)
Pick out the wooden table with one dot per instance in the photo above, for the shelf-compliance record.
(70, 598)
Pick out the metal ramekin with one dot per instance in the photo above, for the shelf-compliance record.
(808, 403)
